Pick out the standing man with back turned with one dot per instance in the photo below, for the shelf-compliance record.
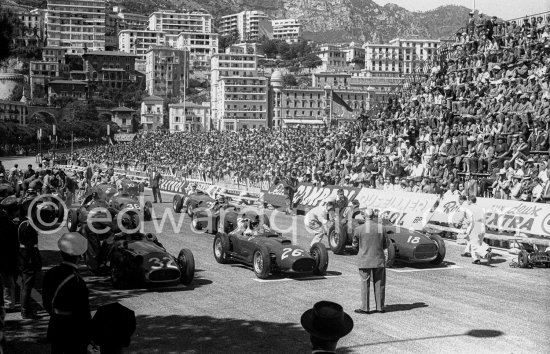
(372, 263)
(154, 182)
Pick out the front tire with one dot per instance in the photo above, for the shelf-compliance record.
(196, 223)
(72, 220)
(523, 259)
(261, 262)
(186, 262)
(177, 203)
(337, 240)
(441, 250)
(220, 248)
(319, 252)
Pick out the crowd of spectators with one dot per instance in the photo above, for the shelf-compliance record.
(476, 122)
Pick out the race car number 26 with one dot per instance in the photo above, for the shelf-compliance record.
(165, 262)
(295, 252)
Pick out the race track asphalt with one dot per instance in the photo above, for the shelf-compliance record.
(457, 308)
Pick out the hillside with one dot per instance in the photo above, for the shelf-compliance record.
(324, 20)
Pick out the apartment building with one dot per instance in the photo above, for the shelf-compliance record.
(138, 42)
(246, 23)
(399, 56)
(173, 23)
(76, 24)
(239, 96)
(201, 47)
(109, 69)
(189, 117)
(166, 71)
(333, 58)
(52, 66)
(288, 29)
(152, 113)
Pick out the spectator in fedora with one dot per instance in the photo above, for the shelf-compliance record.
(326, 323)
(372, 262)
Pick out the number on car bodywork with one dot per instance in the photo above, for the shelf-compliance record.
(132, 206)
(165, 262)
(295, 252)
(414, 239)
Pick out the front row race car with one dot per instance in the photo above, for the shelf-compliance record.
(131, 258)
(408, 246)
(256, 245)
(126, 198)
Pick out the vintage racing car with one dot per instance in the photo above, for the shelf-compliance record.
(93, 206)
(45, 210)
(137, 259)
(128, 198)
(406, 245)
(190, 201)
(267, 251)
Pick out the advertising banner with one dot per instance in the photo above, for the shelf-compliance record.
(307, 196)
(406, 209)
(500, 214)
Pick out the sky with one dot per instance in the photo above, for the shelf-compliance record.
(505, 9)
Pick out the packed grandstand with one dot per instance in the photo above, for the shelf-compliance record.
(475, 122)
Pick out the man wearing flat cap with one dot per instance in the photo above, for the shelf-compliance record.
(65, 297)
(326, 323)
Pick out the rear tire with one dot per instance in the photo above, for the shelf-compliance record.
(72, 220)
(441, 250)
(337, 241)
(261, 262)
(523, 259)
(187, 266)
(319, 252)
(220, 248)
(390, 255)
(177, 203)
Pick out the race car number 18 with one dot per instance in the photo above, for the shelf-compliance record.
(295, 253)
(415, 239)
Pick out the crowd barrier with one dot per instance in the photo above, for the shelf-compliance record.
(504, 219)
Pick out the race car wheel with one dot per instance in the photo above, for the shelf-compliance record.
(189, 207)
(320, 254)
(147, 211)
(197, 225)
(187, 266)
(390, 255)
(261, 262)
(337, 241)
(72, 221)
(221, 246)
(177, 203)
(548, 259)
(441, 250)
(523, 259)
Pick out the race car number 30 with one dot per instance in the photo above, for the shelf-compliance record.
(295, 252)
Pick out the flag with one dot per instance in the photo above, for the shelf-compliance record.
(340, 101)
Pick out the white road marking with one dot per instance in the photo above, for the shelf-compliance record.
(410, 270)
(295, 279)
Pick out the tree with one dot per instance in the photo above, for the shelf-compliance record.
(227, 41)
(311, 61)
(9, 27)
(289, 80)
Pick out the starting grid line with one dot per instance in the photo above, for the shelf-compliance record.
(296, 279)
(411, 270)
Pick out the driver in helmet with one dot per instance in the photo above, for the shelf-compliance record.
(220, 203)
(193, 189)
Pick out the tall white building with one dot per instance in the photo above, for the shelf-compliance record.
(288, 29)
(399, 56)
(173, 23)
(239, 97)
(76, 24)
(246, 23)
(333, 58)
(201, 47)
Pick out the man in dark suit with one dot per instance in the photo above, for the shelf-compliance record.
(154, 182)
(372, 263)
(65, 297)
